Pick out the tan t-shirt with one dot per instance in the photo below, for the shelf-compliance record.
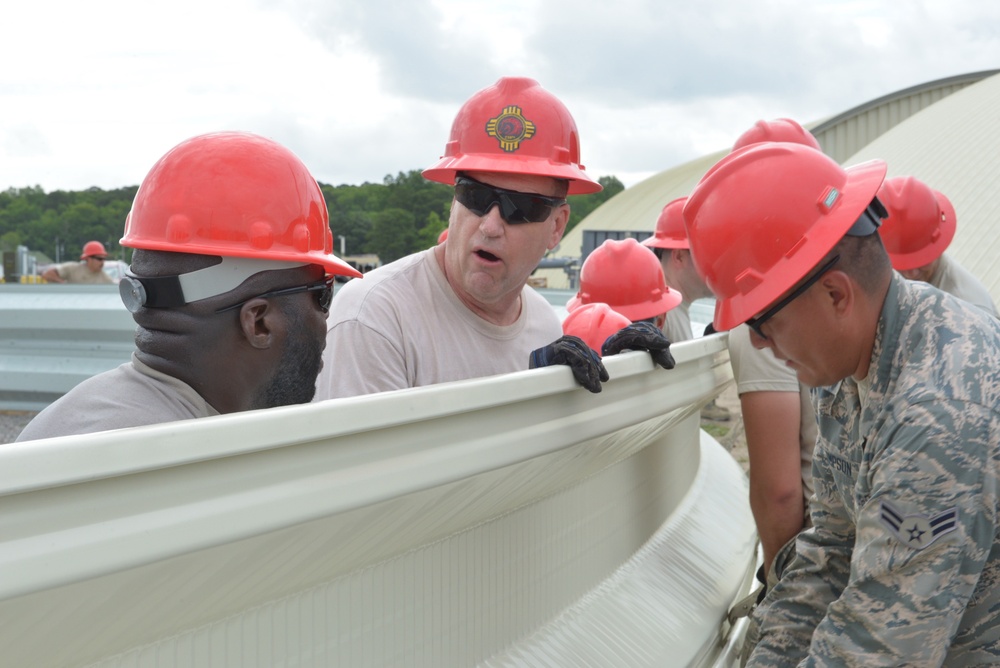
(403, 326)
(677, 326)
(760, 371)
(77, 272)
(130, 395)
(953, 278)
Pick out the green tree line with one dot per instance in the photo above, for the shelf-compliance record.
(403, 214)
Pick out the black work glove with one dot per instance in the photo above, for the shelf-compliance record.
(587, 367)
(641, 336)
(709, 329)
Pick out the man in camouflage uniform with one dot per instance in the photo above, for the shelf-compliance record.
(901, 564)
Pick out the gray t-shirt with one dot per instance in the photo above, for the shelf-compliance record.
(403, 326)
(130, 395)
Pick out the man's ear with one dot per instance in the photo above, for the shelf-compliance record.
(840, 292)
(258, 321)
(562, 219)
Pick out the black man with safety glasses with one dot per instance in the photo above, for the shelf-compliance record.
(229, 285)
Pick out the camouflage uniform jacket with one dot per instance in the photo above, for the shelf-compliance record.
(902, 565)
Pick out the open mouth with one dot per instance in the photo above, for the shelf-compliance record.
(489, 257)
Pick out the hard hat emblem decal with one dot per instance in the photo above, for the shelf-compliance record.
(510, 128)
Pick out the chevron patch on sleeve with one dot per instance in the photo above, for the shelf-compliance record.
(917, 531)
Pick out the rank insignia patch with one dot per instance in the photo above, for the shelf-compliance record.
(510, 128)
(917, 531)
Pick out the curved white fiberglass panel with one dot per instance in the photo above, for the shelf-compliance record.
(661, 607)
(443, 526)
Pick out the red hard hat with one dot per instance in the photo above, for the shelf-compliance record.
(670, 232)
(626, 276)
(594, 323)
(780, 129)
(514, 126)
(921, 222)
(765, 215)
(233, 194)
(93, 249)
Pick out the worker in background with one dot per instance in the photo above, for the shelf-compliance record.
(670, 245)
(920, 227)
(462, 309)
(901, 564)
(626, 276)
(778, 417)
(89, 270)
(230, 284)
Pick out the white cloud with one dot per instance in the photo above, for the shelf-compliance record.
(364, 88)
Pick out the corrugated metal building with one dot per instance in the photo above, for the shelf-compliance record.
(945, 132)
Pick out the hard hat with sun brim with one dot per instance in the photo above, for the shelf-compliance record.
(626, 276)
(514, 126)
(670, 232)
(765, 215)
(235, 195)
(921, 222)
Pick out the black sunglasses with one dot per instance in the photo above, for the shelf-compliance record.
(323, 290)
(515, 207)
(756, 323)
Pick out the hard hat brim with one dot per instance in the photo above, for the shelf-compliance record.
(446, 169)
(665, 243)
(635, 312)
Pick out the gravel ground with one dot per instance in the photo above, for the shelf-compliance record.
(11, 424)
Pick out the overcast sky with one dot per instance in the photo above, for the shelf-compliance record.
(93, 93)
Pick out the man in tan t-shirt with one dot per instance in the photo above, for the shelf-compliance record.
(462, 309)
(90, 268)
(778, 417)
(670, 245)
